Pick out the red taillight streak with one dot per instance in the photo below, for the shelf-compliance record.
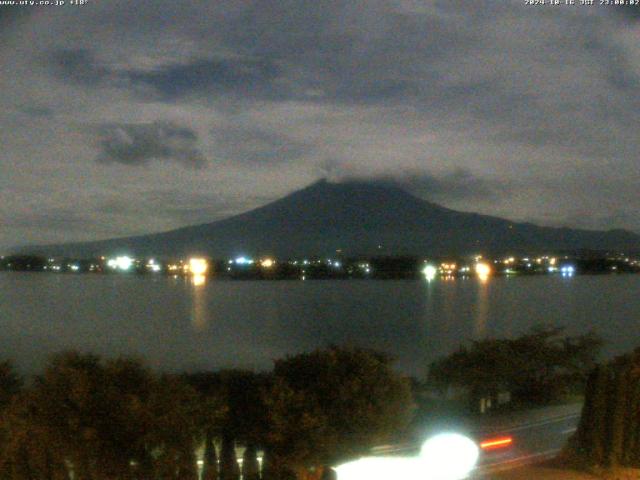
(496, 443)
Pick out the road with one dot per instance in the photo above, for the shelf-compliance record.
(536, 435)
(532, 442)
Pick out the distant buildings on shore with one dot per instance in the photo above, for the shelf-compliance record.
(382, 268)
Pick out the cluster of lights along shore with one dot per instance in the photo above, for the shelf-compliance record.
(268, 267)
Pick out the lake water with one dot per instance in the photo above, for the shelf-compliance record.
(176, 325)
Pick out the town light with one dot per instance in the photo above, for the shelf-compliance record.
(120, 263)
(448, 456)
(448, 268)
(153, 266)
(243, 261)
(430, 272)
(198, 266)
(483, 270)
(267, 263)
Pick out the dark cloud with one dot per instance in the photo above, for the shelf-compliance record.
(139, 144)
(459, 184)
(79, 66)
(11, 16)
(616, 67)
(168, 82)
(629, 13)
(37, 111)
(206, 76)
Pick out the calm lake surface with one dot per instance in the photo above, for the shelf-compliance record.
(176, 325)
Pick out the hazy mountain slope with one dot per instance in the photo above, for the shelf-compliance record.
(357, 218)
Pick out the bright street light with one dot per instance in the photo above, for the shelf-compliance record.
(430, 272)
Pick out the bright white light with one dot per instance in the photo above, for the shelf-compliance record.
(243, 261)
(198, 266)
(75, 268)
(483, 270)
(568, 269)
(153, 266)
(382, 468)
(447, 456)
(430, 272)
(123, 263)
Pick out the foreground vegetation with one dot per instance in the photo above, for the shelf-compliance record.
(540, 367)
(90, 418)
(608, 434)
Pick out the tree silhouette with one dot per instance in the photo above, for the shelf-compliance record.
(333, 404)
(100, 420)
(535, 368)
(608, 431)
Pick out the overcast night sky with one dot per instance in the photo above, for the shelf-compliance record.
(122, 117)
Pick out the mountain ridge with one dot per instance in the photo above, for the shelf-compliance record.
(356, 218)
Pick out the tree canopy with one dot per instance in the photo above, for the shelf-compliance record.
(536, 367)
(91, 418)
(333, 404)
(100, 420)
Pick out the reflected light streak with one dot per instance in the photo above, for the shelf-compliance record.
(199, 304)
(482, 309)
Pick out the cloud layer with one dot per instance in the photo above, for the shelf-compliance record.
(524, 112)
(139, 144)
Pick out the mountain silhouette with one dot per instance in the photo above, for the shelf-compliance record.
(354, 218)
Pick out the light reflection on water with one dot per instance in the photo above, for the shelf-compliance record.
(188, 323)
(482, 309)
(199, 311)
